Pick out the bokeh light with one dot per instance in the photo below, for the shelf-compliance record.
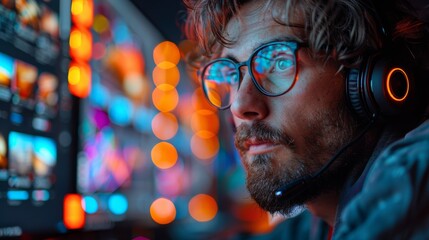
(125, 60)
(166, 55)
(169, 76)
(203, 207)
(165, 98)
(205, 120)
(101, 24)
(165, 125)
(90, 204)
(82, 12)
(79, 79)
(163, 211)
(80, 44)
(164, 155)
(118, 204)
(121, 110)
(204, 145)
(199, 101)
(74, 215)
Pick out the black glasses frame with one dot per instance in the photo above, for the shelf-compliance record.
(293, 45)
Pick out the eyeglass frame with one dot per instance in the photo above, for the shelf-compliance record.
(295, 47)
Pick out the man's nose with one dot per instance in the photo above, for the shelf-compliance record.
(248, 103)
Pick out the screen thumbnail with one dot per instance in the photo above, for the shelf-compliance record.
(7, 70)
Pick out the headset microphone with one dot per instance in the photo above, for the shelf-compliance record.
(291, 190)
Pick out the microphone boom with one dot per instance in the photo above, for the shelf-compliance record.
(291, 190)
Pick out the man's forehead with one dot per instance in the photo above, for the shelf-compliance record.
(255, 14)
(251, 29)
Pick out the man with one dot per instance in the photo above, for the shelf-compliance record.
(322, 94)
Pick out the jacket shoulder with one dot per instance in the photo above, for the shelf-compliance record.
(394, 200)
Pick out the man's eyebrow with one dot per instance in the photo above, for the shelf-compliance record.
(277, 39)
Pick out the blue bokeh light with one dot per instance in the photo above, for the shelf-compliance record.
(91, 205)
(118, 204)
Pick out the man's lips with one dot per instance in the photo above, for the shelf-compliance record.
(255, 146)
(259, 138)
(261, 148)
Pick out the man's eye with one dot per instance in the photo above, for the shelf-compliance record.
(232, 77)
(282, 64)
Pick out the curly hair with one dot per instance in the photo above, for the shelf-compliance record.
(345, 30)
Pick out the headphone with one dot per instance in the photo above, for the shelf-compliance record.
(385, 83)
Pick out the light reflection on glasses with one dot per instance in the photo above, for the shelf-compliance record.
(272, 68)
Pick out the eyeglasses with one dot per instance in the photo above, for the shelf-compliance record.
(272, 68)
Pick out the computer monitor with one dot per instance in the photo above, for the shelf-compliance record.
(114, 172)
(37, 117)
(132, 151)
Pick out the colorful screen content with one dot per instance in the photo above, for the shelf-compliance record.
(115, 172)
(36, 118)
(112, 146)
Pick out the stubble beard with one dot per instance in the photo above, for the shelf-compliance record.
(267, 173)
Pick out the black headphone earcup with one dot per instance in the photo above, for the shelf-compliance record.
(381, 86)
(353, 93)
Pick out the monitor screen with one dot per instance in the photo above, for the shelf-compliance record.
(36, 116)
(122, 131)
(115, 137)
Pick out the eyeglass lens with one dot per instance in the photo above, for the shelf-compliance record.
(272, 68)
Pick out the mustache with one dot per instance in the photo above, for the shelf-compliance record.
(261, 132)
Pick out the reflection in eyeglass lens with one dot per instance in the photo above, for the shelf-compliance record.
(273, 69)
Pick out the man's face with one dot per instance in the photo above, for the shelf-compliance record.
(281, 139)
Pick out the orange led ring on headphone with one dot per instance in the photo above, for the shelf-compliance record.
(389, 88)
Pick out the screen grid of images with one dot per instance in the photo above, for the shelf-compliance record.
(35, 132)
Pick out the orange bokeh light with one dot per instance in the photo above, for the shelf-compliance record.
(199, 101)
(165, 97)
(203, 208)
(166, 55)
(163, 211)
(205, 120)
(169, 76)
(204, 145)
(165, 125)
(125, 60)
(79, 79)
(82, 12)
(74, 215)
(80, 44)
(164, 155)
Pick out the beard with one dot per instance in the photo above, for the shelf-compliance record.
(266, 173)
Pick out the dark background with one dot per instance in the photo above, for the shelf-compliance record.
(166, 15)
